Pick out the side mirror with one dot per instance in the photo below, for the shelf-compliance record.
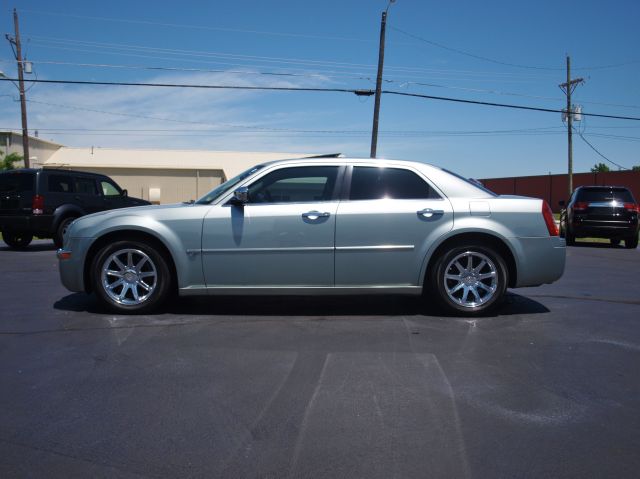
(125, 193)
(241, 195)
(561, 203)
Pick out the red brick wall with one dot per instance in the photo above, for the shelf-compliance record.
(553, 188)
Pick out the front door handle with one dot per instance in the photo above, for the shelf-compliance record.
(429, 213)
(314, 215)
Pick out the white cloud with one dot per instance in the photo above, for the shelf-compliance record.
(60, 111)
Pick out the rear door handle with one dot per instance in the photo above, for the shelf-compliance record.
(428, 212)
(314, 215)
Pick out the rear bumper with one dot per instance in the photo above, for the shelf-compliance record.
(539, 260)
(604, 229)
(37, 225)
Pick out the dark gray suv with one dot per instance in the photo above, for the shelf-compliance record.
(601, 212)
(43, 202)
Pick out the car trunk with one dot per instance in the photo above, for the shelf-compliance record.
(604, 206)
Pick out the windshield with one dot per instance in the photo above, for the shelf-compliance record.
(471, 181)
(226, 186)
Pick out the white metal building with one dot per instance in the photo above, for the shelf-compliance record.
(163, 176)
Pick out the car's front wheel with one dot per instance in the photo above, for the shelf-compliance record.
(469, 279)
(131, 277)
(17, 239)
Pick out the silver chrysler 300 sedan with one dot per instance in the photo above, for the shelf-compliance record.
(320, 226)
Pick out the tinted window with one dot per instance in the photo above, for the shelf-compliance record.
(372, 183)
(16, 182)
(621, 195)
(60, 184)
(109, 189)
(86, 186)
(295, 185)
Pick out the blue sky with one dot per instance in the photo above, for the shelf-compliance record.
(334, 44)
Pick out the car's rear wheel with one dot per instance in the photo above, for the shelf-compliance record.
(569, 237)
(130, 277)
(615, 241)
(469, 279)
(17, 239)
(631, 242)
(62, 229)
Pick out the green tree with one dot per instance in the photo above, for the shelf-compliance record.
(9, 161)
(600, 168)
(635, 168)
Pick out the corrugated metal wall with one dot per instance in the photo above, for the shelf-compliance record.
(553, 188)
(173, 186)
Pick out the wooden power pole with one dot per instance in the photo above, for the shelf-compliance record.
(23, 100)
(568, 89)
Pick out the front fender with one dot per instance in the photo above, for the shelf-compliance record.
(181, 241)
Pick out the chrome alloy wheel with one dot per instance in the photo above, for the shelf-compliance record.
(471, 279)
(129, 277)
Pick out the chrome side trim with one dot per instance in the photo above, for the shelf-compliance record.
(300, 290)
(305, 249)
(386, 247)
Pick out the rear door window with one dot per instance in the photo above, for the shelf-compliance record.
(374, 183)
(86, 186)
(60, 184)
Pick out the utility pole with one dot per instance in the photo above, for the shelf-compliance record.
(376, 108)
(23, 100)
(568, 89)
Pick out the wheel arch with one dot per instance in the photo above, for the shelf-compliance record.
(127, 235)
(480, 238)
(65, 211)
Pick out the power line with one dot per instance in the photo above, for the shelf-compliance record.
(312, 75)
(598, 152)
(472, 55)
(207, 54)
(196, 27)
(498, 62)
(504, 105)
(358, 92)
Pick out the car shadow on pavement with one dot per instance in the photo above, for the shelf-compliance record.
(295, 306)
(594, 244)
(48, 246)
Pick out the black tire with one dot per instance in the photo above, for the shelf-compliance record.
(615, 241)
(17, 239)
(631, 242)
(569, 237)
(131, 297)
(446, 289)
(58, 238)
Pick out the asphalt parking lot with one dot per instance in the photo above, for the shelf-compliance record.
(323, 387)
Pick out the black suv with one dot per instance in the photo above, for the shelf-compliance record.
(601, 212)
(43, 202)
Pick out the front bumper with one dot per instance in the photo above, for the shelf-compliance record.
(71, 261)
(539, 260)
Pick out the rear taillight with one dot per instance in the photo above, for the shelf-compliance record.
(549, 220)
(580, 205)
(37, 205)
(632, 207)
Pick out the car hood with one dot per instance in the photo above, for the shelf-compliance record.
(85, 225)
